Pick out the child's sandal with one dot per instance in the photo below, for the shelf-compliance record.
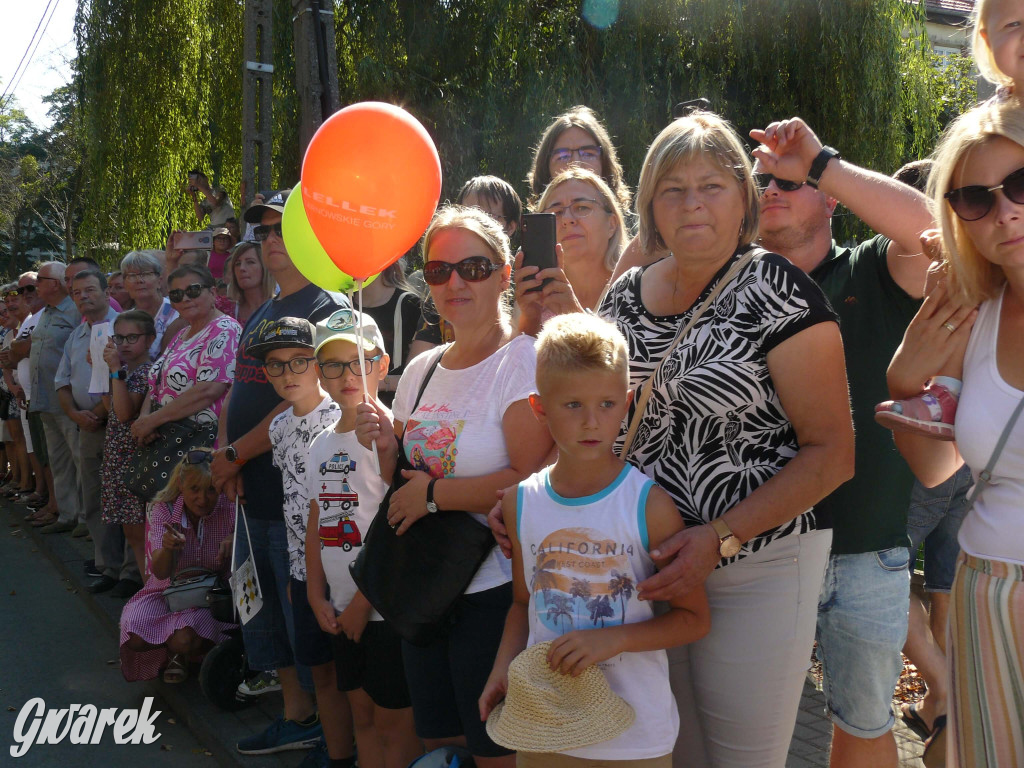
(175, 671)
(929, 414)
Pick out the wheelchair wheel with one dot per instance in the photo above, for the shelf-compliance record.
(223, 669)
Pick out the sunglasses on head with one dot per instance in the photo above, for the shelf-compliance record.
(475, 269)
(764, 179)
(192, 291)
(974, 202)
(262, 232)
(198, 456)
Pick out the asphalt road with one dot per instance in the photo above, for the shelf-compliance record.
(53, 648)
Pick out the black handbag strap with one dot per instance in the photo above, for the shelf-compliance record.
(426, 379)
(422, 389)
(985, 476)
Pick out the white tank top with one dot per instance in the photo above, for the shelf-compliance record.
(582, 560)
(994, 528)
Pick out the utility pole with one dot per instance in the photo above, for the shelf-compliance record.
(257, 97)
(316, 64)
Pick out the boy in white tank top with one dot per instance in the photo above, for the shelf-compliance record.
(581, 533)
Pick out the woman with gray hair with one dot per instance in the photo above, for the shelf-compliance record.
(142, 272)
(742, 415)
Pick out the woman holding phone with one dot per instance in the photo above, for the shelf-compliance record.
(590, 229)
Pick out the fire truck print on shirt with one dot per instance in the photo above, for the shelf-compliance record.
(347, 491)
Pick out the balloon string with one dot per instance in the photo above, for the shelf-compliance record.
(362, 369)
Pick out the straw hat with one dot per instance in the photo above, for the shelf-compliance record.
(546, 711)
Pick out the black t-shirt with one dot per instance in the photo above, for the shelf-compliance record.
(253, 397)
(868, 512)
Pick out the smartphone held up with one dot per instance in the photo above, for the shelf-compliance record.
(538, 242)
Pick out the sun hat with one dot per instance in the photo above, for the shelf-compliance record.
(546, 711)
(347, 325)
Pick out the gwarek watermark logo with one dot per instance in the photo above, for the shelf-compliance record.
(82, 724)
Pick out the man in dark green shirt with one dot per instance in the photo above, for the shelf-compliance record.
(875, 288)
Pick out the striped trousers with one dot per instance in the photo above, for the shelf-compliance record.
(986, 655)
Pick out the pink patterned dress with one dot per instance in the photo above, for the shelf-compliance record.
(207, 356)
(146, 614)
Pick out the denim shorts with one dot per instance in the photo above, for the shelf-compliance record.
(934, 517)
(862, 626)
(269, 636)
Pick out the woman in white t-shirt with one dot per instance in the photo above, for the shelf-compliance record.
(978, 194)
(471, 433)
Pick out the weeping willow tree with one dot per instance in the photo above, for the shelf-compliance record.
(161, 84)
(160, 95)
(486, 76)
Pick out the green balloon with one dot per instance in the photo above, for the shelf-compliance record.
(308, 256)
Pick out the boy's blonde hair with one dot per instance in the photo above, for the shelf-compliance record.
(980, 49)
(580, 342)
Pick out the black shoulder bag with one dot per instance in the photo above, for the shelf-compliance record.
(413, 580)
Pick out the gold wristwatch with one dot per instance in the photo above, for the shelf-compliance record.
(728, 544)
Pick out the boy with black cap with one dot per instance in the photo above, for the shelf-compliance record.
(286, 348)
(244, 467)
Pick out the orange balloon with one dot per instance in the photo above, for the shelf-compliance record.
(371, 180)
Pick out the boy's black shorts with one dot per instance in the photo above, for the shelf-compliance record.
(373, 664)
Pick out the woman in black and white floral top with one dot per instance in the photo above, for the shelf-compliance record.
(748, 426)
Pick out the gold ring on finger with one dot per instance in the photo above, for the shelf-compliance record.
(949, 326)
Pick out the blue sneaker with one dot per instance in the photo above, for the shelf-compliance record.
(282, 735)
(317, 757)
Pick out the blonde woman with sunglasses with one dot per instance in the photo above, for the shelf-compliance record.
(469, 434)
(978, 201)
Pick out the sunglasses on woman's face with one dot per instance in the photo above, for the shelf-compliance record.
(974, 202)
(192, 291)
(475, 269)
(764, 179)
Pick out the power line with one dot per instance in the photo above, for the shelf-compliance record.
(31, 40)
(8, 93)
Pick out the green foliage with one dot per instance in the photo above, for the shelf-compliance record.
(487, 76)
(161, 83)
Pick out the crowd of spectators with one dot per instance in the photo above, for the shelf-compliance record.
(765, 361)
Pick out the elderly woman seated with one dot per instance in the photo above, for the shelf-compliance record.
(189, 527)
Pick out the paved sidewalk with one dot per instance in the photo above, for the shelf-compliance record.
(218, 730)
